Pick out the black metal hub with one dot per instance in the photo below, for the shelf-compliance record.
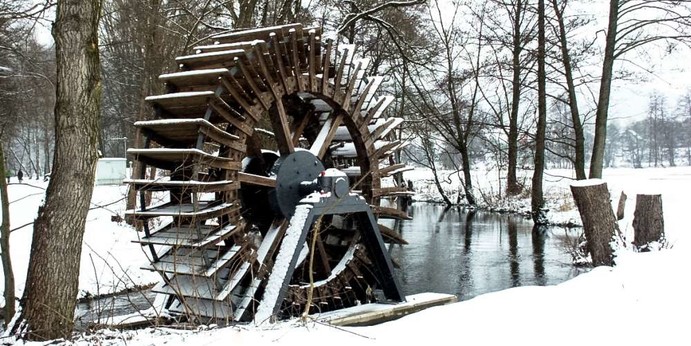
(291, 171)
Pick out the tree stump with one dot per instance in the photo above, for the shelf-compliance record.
(599, 223)
(648, 223)
(621, 206)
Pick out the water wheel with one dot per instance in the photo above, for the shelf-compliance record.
(244, 122)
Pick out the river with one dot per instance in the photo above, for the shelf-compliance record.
(472, 253)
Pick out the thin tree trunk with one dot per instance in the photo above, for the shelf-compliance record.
(53, 275)
(537, 200)
(597, 159)
(579, 137)
(512, 186)
(600, 225)
(5, 242)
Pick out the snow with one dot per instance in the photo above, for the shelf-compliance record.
(282, 263)
(642, 300)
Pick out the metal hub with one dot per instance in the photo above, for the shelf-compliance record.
(291, 171)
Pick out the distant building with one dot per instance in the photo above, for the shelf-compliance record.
(111, 171)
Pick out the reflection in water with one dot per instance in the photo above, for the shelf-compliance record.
(538, 236)
(466, 253)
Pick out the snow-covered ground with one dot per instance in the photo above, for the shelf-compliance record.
(642, 300)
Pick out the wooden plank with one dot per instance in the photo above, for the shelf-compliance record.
(391, 236)
(264, 253)
(184, 185)
(385, 128)
(389, 213)
(374, 313)
(326, 66)
(188, 79)
(312, 61)
(181, 99)
(249, 77)
(326, 135)
(395, 168)
(200, 210)
(174, 157)
(339, 74)
(221, 59)
(254, 179)
(355, 113)
(392, 191)
(297, 72)
(223, 46)
(221, 262)
(188, 237)
(233, 118)
(375, 111)
(345, 102)
(203, 307)
(188, 286)
(256, 34)
(277, 54)
(229, 83)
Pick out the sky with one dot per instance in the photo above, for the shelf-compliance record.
(642, 300)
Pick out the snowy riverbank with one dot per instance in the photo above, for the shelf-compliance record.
(640, 301)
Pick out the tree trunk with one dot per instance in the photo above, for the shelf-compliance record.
(579, 137)
(53, 275)
(537, 200)
(648, 223)
(512, 186)
(597, 159)
(600, 225)
(5, 242)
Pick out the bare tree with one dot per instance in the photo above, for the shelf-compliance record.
(537, 198)
(449, 93)
(513, 62)
(53, 275)
(559, 8)
(633, 24)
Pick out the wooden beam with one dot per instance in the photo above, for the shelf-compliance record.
(255, 179)
(327, 65)
(326, 135)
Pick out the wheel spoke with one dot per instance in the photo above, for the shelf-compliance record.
(326, 135)
(281, 127)
(254, 179)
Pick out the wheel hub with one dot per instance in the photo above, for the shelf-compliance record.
(291, 171)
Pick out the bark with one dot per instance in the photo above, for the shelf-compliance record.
(53, 275)
(621, 206)
(537, 201)
(648, 222)
(5, 243)
(599, 223)
(597, 159)
(579, 137)
(512, 186)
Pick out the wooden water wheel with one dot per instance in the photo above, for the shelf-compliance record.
(236, 112)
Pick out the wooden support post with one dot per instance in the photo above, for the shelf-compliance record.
(648, 223)
(600, 225)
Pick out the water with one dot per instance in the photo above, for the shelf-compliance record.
(468, 254)
(454, 252)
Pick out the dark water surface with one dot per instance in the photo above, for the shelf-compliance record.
(468, 254)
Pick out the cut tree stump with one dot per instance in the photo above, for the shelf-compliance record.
(648, 222)
(599, 223)
(621, 206)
